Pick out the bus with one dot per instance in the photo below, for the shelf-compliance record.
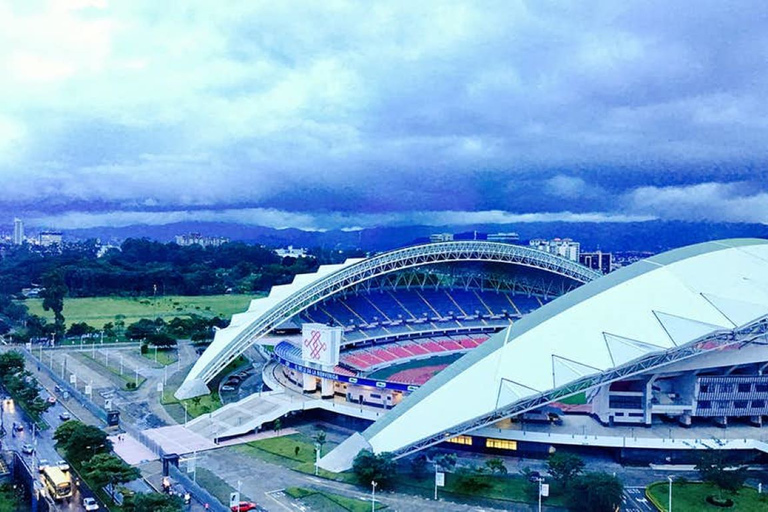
(58, 482)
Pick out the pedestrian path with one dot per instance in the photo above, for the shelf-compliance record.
(130, 450)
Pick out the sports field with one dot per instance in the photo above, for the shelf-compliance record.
(97, 311)
(430, 364)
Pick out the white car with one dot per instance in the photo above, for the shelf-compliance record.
(42, 464)
(90, 504)
(63, 465)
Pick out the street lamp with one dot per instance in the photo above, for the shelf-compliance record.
(540, 480)
(373, 495)
(669, 509)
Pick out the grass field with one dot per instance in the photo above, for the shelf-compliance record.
(692, 497)
(385, 373)
(97, 311)
(282, 451)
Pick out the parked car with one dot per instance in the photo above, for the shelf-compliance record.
(63, 465)
(89, 504)
(51, 399)
(65, 416)
(245, 506)
(58, 388)
(18, 427)
(27, 449)
(42, 464)
(534, 476)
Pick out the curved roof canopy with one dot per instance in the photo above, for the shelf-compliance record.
(665, 308)
(286, 301)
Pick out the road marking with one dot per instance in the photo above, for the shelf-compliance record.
(270, 495)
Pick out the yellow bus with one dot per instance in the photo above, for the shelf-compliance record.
(58, 482)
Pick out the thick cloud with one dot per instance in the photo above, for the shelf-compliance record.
(356, 114)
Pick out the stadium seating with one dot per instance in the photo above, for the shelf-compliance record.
(371, 315)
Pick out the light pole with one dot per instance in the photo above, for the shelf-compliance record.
(670, 494)
(540, 480)
(373, 495)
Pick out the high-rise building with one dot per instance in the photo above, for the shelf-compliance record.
(564, 247)
(598, 260)
(18, 231)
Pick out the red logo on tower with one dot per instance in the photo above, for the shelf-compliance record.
(315, 344)
(321, 344)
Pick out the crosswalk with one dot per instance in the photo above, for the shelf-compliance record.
(634, 500)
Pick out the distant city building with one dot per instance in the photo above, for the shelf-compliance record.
(564, 247)
(18, 231)
(198, 239)
(441, 237)
(598, 260)
(291, 251)
(508, 238)
(50, 238)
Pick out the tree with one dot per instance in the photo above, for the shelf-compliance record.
(564, 467)
(369, 467)
(496, 465)
(724, 471)
(55, 289)
(10, 363)
(81, 442)
(320, 440)
(106, 469)
(419, 465)
(161, 340)
(79, 329)
(277, 425)
(595, 492)
(154, 502)
(445, 461)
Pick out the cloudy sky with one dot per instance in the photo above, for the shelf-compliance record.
(342, 114)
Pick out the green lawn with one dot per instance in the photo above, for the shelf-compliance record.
(385, 373)
(97, 311)
(691, 497)
(577, 399)
(282, 451)
(324, 501)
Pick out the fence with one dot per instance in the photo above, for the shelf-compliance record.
(82, 398)
(144, 439)
(196, 491)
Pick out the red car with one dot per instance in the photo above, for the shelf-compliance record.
(245, 506)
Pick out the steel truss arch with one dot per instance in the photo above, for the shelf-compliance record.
(210, 364)
(754, 333)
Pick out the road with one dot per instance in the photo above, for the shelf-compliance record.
(634, 500)
(43, 443)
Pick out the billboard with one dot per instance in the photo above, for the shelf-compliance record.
(320, 344)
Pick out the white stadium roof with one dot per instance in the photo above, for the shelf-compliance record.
(654, 306)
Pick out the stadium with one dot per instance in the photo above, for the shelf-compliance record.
(489, 346)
